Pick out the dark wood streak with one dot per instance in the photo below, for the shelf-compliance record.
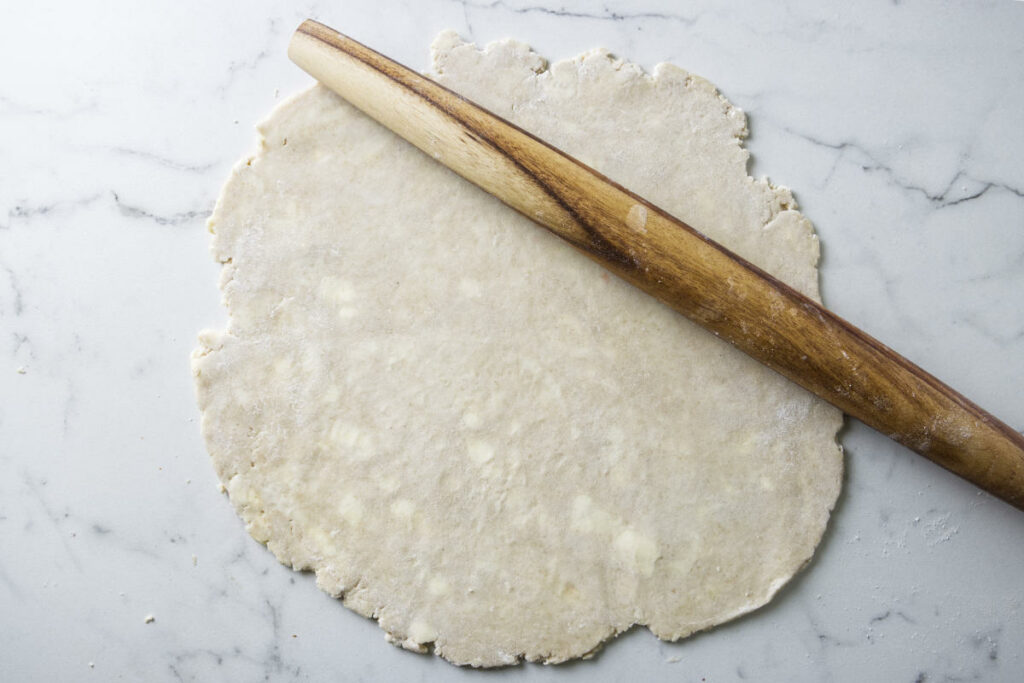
(399, 74)
(672, 261)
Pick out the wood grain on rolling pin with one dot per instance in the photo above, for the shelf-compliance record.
(668, 259)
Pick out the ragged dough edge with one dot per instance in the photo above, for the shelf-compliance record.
(449, 44)
(347, 588)
(258, 520)
(211, 340)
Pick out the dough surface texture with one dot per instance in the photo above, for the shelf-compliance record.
(471, 432)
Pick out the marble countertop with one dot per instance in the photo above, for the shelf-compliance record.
(897, 124)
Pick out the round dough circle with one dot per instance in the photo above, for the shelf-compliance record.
(469, 431)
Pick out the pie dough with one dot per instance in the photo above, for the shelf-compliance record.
(467, 429)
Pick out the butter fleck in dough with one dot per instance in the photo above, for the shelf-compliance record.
(469, 431)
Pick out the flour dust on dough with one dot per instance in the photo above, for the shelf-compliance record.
(471, 432)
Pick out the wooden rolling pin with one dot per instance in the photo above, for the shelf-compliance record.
(668, 259)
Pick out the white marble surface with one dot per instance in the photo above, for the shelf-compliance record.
(898, 124)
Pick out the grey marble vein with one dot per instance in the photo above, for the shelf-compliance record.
(604, 13)
(162, 160)
(176, 218)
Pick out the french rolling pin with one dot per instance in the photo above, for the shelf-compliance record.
(671, 261)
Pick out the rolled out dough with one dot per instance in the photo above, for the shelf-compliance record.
(469, 431)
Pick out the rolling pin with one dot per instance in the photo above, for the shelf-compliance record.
(668, 259)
